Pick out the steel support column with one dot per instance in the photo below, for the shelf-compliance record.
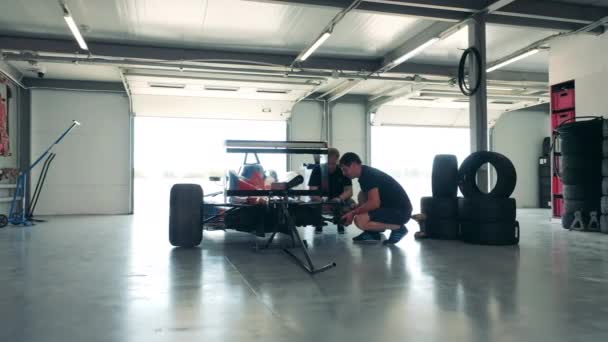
(478, 103)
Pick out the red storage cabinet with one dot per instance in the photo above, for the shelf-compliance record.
(558, 206)
(558, 186)
(562, 110)
(562, 99)
(559, 118)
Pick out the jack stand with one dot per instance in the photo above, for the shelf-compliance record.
(578, 221)
(307, 265)
(594, 224)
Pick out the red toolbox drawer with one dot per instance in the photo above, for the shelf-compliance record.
(558, 186)
(558, 206)
(559, 118)
(562, 99)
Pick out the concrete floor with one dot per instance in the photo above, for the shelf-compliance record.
(117, 279)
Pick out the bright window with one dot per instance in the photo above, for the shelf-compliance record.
(178, 150)
(407, 153)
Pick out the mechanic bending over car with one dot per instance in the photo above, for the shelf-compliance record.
(339, 188)
(383, 203)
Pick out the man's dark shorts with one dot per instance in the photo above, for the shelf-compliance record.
(390, 216)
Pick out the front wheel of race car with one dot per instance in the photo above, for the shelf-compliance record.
(185, 217)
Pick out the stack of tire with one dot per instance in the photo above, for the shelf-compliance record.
(581, 172)
(544, 175)
(441, 210)
(488, 218)
(604, 201)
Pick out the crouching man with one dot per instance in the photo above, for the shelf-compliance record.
(383, 204)
(339, 188)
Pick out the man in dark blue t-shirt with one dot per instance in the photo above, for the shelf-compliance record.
(383, 204)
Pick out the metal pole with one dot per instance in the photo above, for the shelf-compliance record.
(478, 103)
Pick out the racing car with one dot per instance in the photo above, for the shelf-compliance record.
(254, 201)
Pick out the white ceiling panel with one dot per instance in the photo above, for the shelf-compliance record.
(501, 41)
(426, 116)
(210, 108)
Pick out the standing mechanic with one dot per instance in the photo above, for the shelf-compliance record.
(339, 188)
(383, 203)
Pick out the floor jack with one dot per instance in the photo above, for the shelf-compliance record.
(19, 214)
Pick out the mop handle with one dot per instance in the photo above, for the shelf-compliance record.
(74, 124)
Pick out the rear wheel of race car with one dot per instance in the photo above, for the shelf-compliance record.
(185, 216)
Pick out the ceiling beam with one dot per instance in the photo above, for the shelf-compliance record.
(11, 72)
(113, 87)
(150, 54)
(535, 14)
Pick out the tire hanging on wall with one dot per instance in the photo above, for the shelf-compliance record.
(185, 215)
(444, 177)
(506, 176)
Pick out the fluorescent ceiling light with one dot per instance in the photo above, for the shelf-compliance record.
(220, 88)
(73, 27)
(511, 60)
(315, 46)
(167, 85)
(273, 91)
(414, 52)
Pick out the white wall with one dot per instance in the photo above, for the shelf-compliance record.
(582, 58)
(519, 135)
(306, 124)
(91, 173)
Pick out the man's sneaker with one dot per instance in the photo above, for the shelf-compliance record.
(396, 235)
(318, 230)
(367, 237)
(340, 229)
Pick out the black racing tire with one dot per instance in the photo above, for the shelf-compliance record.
(578, 161)
(488, 210)
(605, 184)
(493, 233)
(568, 219)
(580, 169)
(439, 208)
(604, 224)
(605, 148)
(605, 167)
(581, 191)
(442, 229)
(604, 205)
(591, 146)
(586, 205)
(506, 176)
(3, 221)
(444, 178)
(461, 211)
(185, 215)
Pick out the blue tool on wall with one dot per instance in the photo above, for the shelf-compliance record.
(19, 212)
